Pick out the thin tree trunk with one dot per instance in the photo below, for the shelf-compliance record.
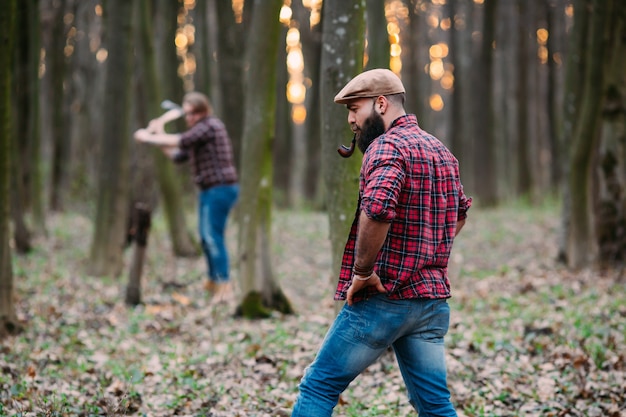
(485, 149)
(524, 179)
(311, 38)
(377, 37)
(283, 152)
(60, 139)
(556, 53)
(231, 36)
(415, 81)
(19, 160)
(33, 134)
(8, 319)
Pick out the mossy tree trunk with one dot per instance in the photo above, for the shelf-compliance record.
(261, 291)
(342, 59)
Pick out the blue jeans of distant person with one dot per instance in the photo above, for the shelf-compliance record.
(361, 333)
(214, 204)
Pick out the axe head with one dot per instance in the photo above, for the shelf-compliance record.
(170, 105)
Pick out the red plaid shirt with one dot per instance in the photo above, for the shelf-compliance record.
(208, 148)
(410, 179)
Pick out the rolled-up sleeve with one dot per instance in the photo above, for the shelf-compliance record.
(464, 205)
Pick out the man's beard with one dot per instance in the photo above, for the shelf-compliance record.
(373, 127)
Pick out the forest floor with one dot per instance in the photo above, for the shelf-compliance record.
(527, 337)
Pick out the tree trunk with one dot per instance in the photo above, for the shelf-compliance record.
(485, 149)
(415, 56)
(173, 202)
(33, 134)
(166, 26)
(140, 230)
(556, 53)
(461, 120)
(112, 204)
(572, 96)
(526, 44)
(581, 247)
(610, 209)
(311, 38)
(60, 138)
(285, 177)
(82, 85)
(231, 45)
(8, 319)
(201, 47)
(342, 59)
(260, 288)
(377, 36)
(19, 160)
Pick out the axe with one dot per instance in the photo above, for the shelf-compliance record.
(174, 111)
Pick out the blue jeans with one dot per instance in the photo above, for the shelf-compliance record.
(361, 333)
(214, 204)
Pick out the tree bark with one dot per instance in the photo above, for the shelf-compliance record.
(33, 133)
(526, 44)
(260, 288)
(377, 36)
(112, 204)
(485, 149)
(415, 56)
(610, 209)
(231, 47)
(140, 230)
(342, 59)
(8, 319)
(311, 38)
(169, 184)
(572, 96)
(60, 138)
(556, 54)
(19, 160)
(581, 248)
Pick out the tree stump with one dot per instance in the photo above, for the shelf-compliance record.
(139, 234)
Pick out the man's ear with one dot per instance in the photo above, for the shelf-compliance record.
(381, 104)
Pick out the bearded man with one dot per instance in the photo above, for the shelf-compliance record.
(394, 272)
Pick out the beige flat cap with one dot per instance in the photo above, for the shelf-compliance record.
(372, 83)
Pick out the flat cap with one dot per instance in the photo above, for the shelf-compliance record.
(372, 83)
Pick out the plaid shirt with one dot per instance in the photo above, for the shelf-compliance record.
(207, 147)
(410, 179)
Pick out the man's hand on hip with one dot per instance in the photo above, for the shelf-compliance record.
(358, 285)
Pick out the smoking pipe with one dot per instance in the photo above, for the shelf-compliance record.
(346, 152)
